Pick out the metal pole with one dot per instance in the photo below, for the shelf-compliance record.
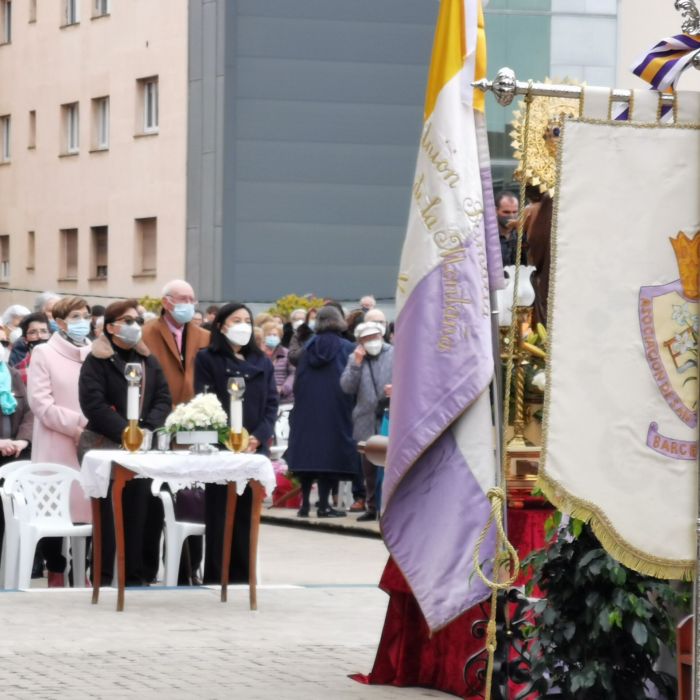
(506, 87)
(497, 394)
(696, 588)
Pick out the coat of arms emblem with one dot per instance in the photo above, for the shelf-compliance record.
(669, 322)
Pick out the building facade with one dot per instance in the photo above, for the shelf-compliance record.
(257, 147)
(93, 113)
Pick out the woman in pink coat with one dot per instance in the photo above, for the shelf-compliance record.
(52, 388)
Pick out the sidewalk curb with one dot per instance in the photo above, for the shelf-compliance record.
(321, 525)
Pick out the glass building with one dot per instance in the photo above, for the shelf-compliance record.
(304, 120)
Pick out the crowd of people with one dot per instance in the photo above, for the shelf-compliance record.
(63, 392)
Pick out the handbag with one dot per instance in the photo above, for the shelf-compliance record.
(90, 440)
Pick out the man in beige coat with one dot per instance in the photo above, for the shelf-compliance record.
(175, 341)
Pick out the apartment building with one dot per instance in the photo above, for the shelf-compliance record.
(93, 131)
(257, 147)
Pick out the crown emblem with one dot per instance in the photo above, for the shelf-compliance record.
(687, 252)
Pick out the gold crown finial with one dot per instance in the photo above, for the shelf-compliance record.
(687, 252)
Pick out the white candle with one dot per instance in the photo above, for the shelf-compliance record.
(236, 415)
(132, 403)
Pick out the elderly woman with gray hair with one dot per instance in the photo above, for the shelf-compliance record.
(321, 446)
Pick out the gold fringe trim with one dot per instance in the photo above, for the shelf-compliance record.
(610, 539)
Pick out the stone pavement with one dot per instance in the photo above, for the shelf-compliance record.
(320, 616)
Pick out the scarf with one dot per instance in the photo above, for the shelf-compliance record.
(8, 403)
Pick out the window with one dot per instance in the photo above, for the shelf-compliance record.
(31, 139)
(32, 11)
(147, 121)
(4, 258)
(71, 12)
(70, 119)
(100, 123)
(5, 139)
(6, 18)
(31, 249)
(68, 254)
(146, 246)
(99, 252)
(100, 8)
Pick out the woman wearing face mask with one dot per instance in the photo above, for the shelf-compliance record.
(35, 331)
(232, 352)
(278, 355)
(103, 390)
(303, 333)
(52, 389)
(16, 418)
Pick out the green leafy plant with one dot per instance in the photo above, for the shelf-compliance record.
(285, 305)
(150, 304)
(600, 627)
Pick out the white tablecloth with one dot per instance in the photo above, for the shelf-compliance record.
(180, 468)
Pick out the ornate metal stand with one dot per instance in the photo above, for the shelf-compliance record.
(512, 656)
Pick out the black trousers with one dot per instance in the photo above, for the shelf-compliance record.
(215, 518)
(143, 525)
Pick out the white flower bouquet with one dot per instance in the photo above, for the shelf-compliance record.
(203, 413)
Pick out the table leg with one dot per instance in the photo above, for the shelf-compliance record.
(258, 495)
(120, 476)
(231, 500)
(96, 549)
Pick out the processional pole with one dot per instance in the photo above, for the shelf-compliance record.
(506, 88)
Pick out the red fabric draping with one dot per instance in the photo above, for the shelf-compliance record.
(408, 656)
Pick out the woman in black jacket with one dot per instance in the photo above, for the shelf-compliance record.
(232, 352)
(102, 391)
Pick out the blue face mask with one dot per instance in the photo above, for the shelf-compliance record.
(183, 313)
(272, 341)
(53, 326)
(78, 330)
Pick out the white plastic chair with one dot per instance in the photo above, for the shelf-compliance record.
(281, 432)
(41, 501)
(10, 540)
(176, 532)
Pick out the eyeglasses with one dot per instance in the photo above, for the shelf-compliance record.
(130, 320)
(182, 299)
(35, 333)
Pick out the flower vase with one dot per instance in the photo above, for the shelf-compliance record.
(200, 441)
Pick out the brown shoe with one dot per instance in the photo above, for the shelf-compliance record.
(358, 506)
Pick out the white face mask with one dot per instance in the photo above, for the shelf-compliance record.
(373, 347)
(130, 335)
(239, 333)
(297, 323)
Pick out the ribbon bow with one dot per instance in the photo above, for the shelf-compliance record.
(664, 63)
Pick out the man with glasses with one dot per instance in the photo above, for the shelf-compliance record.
(175, 341)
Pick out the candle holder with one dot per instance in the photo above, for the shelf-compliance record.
(238, 437)
(132, 436)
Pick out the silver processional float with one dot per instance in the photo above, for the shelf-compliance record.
(505, 88)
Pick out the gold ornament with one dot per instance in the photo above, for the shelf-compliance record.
(547, 114)
(687, 252)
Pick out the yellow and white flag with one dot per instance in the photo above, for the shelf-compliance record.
(622, 398)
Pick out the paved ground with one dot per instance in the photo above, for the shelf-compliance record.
(320, 616)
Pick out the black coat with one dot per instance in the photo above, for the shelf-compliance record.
(320, 438)
(102, 390)
(212, 370)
